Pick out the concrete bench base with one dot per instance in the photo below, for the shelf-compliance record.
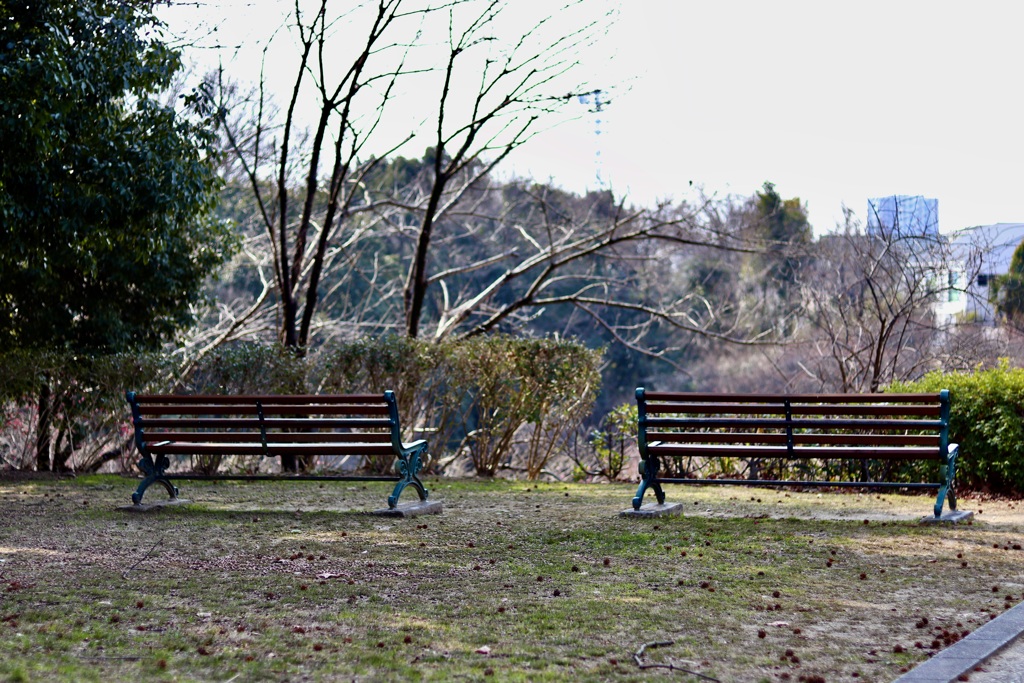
(158, 505)
(430, 507)
(951, 517)
(654, 510)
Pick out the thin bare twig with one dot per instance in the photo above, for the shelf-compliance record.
(145, 557)
(121, 659)
(638, 658)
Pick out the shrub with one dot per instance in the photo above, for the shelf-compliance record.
(987, 420)
(564, 380)
(411, 368)
(496, 396)
(248, 368)
(88, 419)
(501, 385)
(491, 396)
(610, 444)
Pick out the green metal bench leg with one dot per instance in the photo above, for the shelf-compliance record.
(947, 487)
(409, 468)
(649, 480)
(155, 474)
(939, 500)
(945, 492)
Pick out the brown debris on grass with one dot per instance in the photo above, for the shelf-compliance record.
(557, 592)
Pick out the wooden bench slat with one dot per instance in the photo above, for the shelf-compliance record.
(924, 410)
(270, 409)
(273, 448)
(930, 440)
(241, 399)
(652, 397)
(270, 423)
(278, 437)
(809, 452)
(781, 423)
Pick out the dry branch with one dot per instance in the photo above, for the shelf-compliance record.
(639, 654)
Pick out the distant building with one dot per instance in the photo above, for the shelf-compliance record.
(985, 253)
(903, 216)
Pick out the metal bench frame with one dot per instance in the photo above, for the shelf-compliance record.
(792, 427)
(271, 426)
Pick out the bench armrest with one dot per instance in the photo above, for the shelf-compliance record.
(417, 445)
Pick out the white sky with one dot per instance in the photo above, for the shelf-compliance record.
(833, 102)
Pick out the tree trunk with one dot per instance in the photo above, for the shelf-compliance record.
(416, 285)
(119, 451)
(43, 427)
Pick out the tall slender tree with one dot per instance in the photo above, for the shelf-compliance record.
(482, 93)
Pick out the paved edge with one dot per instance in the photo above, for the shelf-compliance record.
(976, 648)
(654, 510)
(429, 507)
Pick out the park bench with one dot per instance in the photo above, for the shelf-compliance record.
(815, 429)
(271, 426)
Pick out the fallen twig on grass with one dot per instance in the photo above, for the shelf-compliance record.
(101, 659)
(638, 658)
(124, 575)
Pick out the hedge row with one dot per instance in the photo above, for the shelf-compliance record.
(490, 397)
(987, 420)
(499, 400)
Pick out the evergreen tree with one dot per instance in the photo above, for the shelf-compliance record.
(105, 191)
(1008, 290)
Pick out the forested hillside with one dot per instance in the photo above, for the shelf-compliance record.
(734, 294)
(190, 232)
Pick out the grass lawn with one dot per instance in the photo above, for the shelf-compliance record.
(292, 581)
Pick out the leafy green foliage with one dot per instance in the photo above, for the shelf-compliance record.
(104, 190)
(1008, 290)
(618, 431)
(410, 368)
(782, 220)
(503, 383)
(783, 224)
(986, 420)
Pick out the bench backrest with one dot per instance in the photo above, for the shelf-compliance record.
(354, 424)
(821, 426)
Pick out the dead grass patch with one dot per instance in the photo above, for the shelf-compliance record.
(292, 581)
